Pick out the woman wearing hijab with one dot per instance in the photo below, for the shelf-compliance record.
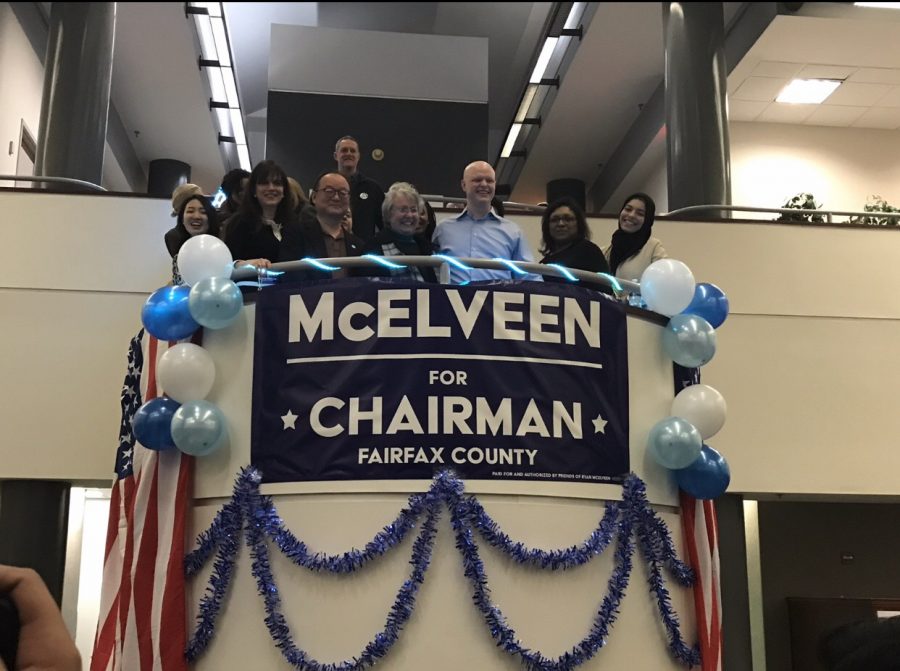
(632, 248)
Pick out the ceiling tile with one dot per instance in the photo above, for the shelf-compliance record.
(879, 117)
(744, 110)
(876, 76)
(834, 115)
(861, 95)
(826, 72)
(761, 89)
(891, 98)
(777, 69)
(786, 113)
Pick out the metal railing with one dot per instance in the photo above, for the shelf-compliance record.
(520, 207)
(621, 288)
(828, 214)
(90, 186)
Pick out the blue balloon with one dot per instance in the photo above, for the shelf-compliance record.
(215, 302)
(689, 340)
(166, 314)
(707, 478)
(152, 422)
(709, 302)
(674, 443)
(198, 428)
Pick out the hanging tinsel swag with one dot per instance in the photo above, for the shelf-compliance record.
(629, 522)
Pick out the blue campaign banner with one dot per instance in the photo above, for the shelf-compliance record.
(366, 379)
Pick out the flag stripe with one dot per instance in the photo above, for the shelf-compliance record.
(701, 540)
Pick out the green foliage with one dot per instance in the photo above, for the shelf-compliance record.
(802, 201)
(877, 204)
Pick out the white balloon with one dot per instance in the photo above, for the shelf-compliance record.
(667, 286)
(186, 372)
(702, 406)
(204, 256)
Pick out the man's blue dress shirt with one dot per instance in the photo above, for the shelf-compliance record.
(487, 238)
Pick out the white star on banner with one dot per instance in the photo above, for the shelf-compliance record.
(289, 419)
(599, 425)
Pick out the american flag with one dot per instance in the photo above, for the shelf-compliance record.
(142, 623)
(701, 539)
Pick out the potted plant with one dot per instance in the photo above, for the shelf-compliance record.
(802, 201)
(877, 204)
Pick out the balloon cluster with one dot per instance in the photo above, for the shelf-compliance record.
(698, 411)
(182, 418)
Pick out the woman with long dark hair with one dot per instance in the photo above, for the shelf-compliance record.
(633, 248)
(566, 239)
(254, 234)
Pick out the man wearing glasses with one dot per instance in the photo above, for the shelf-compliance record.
(366, 195)
(326, 237)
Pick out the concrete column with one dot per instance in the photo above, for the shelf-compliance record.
(75, 103)
(698, 165)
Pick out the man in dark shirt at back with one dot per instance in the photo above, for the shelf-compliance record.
(366, 195)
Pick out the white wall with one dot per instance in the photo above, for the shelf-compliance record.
(74, 273)
(772, 162)
(21, 84)
(841, 167)
(807, 361)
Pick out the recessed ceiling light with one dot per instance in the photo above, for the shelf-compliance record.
(882, 5)
(808, 91)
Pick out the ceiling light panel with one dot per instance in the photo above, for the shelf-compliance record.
(808, 91)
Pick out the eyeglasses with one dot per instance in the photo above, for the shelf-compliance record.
(331, 192)
(568, 218)
(405, 210)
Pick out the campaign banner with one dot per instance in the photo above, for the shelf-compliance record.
(366, 379)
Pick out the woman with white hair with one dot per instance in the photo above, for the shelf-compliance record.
(400, 211)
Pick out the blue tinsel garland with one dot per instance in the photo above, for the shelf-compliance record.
(254, 515)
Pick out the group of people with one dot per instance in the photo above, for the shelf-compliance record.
(266, 218)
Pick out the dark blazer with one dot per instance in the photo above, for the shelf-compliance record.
(307, 240)
(583, 255)
(387, 243)
(249, 238)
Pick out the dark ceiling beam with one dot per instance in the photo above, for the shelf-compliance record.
(745, 28)
(37, 29)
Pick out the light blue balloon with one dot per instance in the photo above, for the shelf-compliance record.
(689, 340)
(707, 478)
(215, 302)
(198, 428)
(674, 443)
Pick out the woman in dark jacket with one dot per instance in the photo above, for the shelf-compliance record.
(566, 240)
(196, 216)
(400, 212)
(254, 234)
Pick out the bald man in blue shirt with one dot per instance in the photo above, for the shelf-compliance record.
(479, 233)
